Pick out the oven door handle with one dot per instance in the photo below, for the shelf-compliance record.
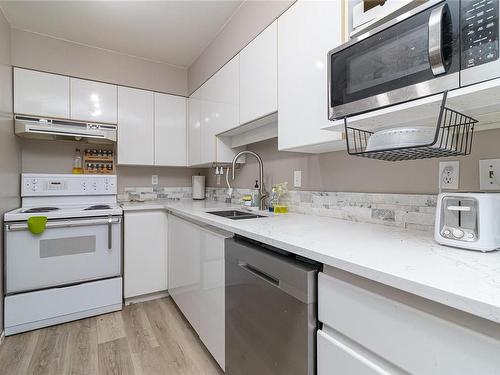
(436, 40)
(10, 227)
(110, 233)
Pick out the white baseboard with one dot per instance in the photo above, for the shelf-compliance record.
(146, 297)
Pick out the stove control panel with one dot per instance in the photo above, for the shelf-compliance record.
(39, 185)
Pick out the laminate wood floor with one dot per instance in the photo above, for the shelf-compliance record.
(147, 338)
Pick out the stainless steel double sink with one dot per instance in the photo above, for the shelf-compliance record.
(236, 214)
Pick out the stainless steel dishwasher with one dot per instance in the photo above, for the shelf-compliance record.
(270, 311)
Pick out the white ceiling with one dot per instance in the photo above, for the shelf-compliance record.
(172, 32)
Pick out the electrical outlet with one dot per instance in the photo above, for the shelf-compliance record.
(489, 174)
(449, 174)
(297, 178)
(154, 179)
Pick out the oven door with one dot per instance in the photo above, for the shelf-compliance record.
(399, 61)
(69, 251)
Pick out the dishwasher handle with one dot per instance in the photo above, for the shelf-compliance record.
(260, 274)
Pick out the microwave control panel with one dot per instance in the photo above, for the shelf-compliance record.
(480, 28)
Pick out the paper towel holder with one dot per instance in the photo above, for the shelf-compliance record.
(198, 186)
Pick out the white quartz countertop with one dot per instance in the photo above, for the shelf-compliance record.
(409, 260)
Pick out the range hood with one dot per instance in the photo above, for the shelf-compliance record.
(52, 129)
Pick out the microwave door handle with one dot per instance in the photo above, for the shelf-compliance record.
(435, 40)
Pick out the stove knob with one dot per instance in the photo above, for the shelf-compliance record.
(458, 233)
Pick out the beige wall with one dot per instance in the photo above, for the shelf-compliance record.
(129, 176)
(337, 171)
(249, 20)
(9, 146)
(57, 157)
(34, 51)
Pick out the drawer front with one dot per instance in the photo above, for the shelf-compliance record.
(411, 339)
(336, 357)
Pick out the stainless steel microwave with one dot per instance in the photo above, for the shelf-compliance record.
(438, 46)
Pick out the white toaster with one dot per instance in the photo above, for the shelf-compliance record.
(468, 220)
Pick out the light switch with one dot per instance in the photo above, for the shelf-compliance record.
(297, 178)
(489, 174)
(154, 179)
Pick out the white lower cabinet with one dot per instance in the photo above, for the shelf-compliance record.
(336, 357)
(184, 267)
(196, 280)
(372, 328)
(145, 252)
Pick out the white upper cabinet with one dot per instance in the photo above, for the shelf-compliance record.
(135, 126)
(208, 122)
(306, 32)
(194, 128)
(258, 74)
(93, 101)
(170, 130)
(194, 131)
(214, 109)
(224, 94)
(41, 94)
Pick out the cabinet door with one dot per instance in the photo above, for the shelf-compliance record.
(226, 108)
(194, 131)
(224, 93)
(421, 341)
(212, 324)
(93, 101)
(145, 252)
(259, 76)
(135, 126)
(208, 110)
(184, 278)
(170, 130)
(337, 358)
(306, 32)
(41, 94)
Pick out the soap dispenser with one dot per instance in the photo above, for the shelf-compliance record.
(256, 195)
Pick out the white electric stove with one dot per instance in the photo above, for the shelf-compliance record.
(73, 269)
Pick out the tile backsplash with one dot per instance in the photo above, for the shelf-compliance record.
(149, 193)
(402, 210)
(414, 211)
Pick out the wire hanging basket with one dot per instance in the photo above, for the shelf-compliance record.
(452, 137)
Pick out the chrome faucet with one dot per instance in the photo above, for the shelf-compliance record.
(263, 195)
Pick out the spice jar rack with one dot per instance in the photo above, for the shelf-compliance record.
(97, 161)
